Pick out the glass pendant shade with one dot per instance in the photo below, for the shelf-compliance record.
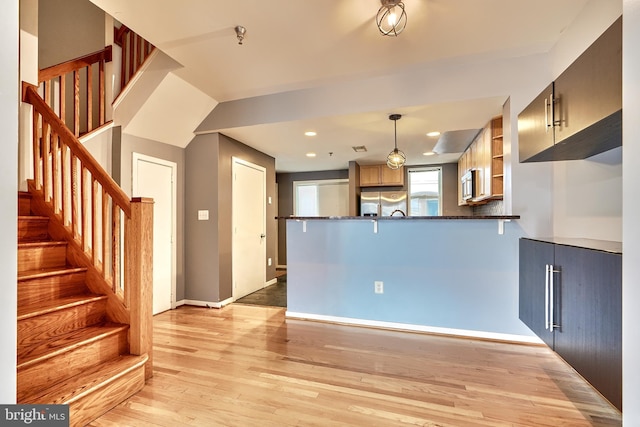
(396, 159)
(391, 18)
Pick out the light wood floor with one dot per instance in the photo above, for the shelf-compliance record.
(246, 366)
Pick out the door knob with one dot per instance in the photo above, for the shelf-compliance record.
(262, 236)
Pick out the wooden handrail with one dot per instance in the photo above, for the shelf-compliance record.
(135, 51)
(53, 84)
(75, 64)
(30, 95)
(107, 233)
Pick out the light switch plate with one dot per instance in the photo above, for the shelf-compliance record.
(203, 215)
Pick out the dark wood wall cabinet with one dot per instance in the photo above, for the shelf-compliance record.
(580, 113)
(571, 297)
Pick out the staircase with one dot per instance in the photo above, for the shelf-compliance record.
(68, 350)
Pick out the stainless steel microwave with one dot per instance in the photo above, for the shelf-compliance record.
(468, 182)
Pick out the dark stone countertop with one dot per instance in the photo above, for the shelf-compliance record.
(402, 218)
(598, 245)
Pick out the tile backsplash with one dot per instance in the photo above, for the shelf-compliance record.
(494, 207)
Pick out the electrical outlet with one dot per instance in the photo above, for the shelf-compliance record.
(378, 287)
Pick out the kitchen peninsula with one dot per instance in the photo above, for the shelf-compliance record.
(453, 275)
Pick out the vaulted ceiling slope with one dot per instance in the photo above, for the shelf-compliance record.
(322, 65)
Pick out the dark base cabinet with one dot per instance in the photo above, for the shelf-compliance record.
(571, 297)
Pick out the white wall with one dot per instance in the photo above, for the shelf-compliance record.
(9, 102)
(630, 224)
(99, 145)
(574, 198)
(587, 194)
(587, 197)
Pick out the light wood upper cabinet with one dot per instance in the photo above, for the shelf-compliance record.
(485, 156)
(381, 176)
(497, 158)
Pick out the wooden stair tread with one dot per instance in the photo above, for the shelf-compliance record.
(38, 309)
(34, 218)
(74, 388)
(47, 272)
(46, 243)
(69, 342)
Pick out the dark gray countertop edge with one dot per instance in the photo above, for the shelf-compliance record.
(399, 218)
(598, 245)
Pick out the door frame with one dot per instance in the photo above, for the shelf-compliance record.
(235, 163)
(174, 208)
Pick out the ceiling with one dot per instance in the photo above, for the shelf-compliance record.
(328, 60)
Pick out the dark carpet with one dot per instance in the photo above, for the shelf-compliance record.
(274, 295)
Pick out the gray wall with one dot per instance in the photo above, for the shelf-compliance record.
(201, 237)
(124, 146)
(450, 191)
(285, 200)
(83, 30)
(208, 183)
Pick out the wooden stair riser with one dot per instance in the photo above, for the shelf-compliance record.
(45, 373)
(42, 289)
(32, 257)
(24, 203)
(33, 229)
(34, 332)
(93, 405)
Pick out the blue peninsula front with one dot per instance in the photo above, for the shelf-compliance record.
(449, 275)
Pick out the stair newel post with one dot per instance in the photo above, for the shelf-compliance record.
(139, 278)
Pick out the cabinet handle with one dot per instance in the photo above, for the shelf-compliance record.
(546, 116)
(546, 296)
(551, 298)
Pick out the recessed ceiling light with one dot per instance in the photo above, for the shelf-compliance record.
(433, 134)
(311, 154)
(428, 153)
(310, 133)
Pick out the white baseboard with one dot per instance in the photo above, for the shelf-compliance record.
(209, 304)
(271, 282)
(416, 328)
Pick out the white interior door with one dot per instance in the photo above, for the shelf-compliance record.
(249, 224)
(156, 178)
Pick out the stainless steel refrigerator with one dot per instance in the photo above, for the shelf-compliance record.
(383, 203)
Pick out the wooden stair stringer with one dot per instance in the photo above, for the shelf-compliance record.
(69, 356)
(116, 310)
(73, 333)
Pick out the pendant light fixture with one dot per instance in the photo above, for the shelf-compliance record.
(396, 158)
(391, 18)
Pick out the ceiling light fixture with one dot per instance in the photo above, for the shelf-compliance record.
(396, 158)
(311, 154)
(310, 133)
(433, 134)
(391, 18)
(240, 32)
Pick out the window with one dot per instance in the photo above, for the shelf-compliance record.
(321, 198)
(425, 191)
